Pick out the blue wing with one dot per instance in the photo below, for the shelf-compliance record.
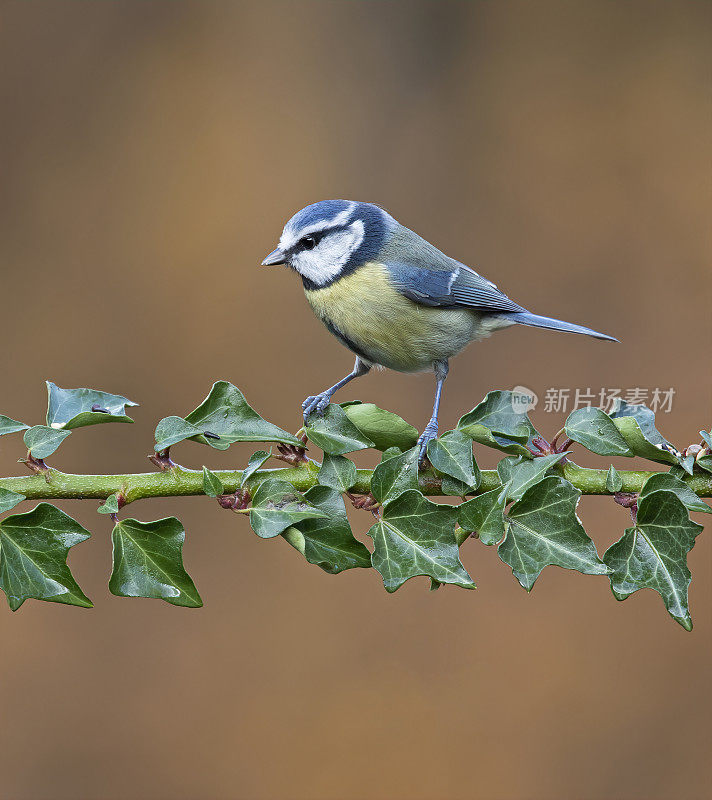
(462, 287)
(450, 288)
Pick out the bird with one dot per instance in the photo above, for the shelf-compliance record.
(391, 297)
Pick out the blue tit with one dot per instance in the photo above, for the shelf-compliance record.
(391, 297)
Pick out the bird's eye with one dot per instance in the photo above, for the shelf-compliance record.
(309, 242)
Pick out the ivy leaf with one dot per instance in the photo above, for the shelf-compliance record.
(687, 463)
(335, 433)
(417, 537)
(484, 514)
(9, 499)
(276, 506)
(543, 529)
(390, 452)
(519, 474)
(42, 441)
(636, 425)
(110, 505)
(212, 485)
(706, 437)
(33, 557)
(395, 475)
(76, 408)
(338, 472)
(328, 542)
(227, 414)
(614, 482)
(705, 463)
(666, 481)
(8, 425)
(384, 428)
(222, 419)
(451, 456)
(653, 553)
(596, 431)
(148, 562)
(255, 461)
(497, 423)
(171, 430)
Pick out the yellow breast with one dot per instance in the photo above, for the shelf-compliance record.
(382, 326)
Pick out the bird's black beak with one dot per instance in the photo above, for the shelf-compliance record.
(275, 257)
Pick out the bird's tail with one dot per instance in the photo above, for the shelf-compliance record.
(525, 318)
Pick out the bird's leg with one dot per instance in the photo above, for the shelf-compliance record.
(319, 402)
(431, 429)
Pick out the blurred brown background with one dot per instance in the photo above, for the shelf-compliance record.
(151, 152)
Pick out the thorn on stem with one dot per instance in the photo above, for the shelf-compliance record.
(628, 500)
(292, 454)
(36, 465)
(543, 448)
(237, 501)
(367, 502)
(162, 460)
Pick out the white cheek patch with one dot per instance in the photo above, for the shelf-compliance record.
(326, 260)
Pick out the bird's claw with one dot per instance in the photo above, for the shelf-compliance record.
(430, 433)
(315, 403)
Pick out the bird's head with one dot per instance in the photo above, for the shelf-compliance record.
(329, 239)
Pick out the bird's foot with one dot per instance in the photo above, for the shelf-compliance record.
(430, 433)
(316, 403)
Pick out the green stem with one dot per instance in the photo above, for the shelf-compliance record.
(179, 482)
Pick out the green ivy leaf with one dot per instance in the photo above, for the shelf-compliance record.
(614, 482)
(687, 463)
(9, 499)
(171, 430)
(705, 463)
(227, 414)
(484, 514)
(706, 438)
(395, 475)
(276, 506)
(653, 553)
(497, 422)
(42, 441)
(8, 425)
(335, 433)
(338, 472)
(76, 408)
(390, 452)
(519, 474)
(33, 557)
(255, 461)
(596, 431)
(543, 529)
(212, 485)
(222, 419)
(451, 456)
(328, 541)
(148, 562)
(110, 505)
(636, 425)
(384, 428)
(417, 537)
(667, 482)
